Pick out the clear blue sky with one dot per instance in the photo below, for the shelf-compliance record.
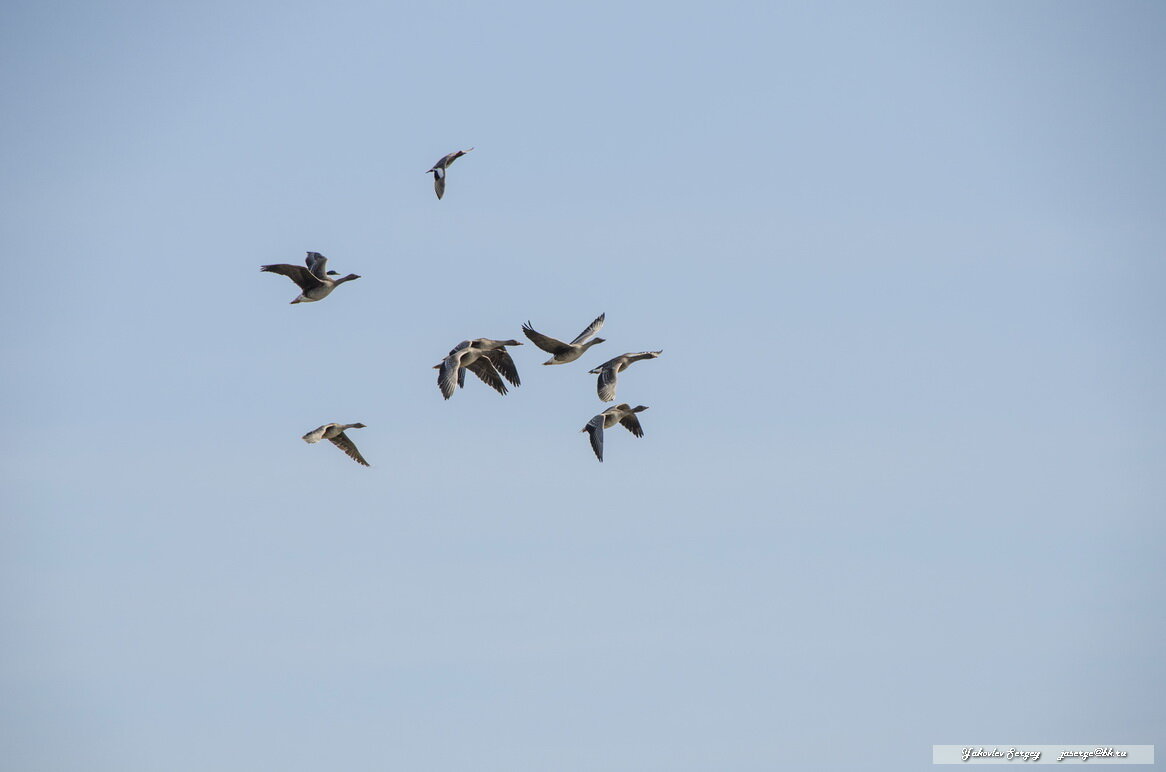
(902, 479)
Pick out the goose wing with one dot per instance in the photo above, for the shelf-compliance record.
(447, 376)
(485, 370)
(343, 442)
(632, 423)
(594, 428)
(504, 364)
(545, 342)
(317, 265)
(605, 384)
(591, 329)
(453, 361)
(301, 276)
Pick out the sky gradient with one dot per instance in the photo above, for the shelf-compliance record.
(901, 482)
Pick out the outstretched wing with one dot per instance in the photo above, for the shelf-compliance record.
(484, 369)
(349, 447)
(439, 183)
(632, 423)
(545, 342)
(605, 384)
(594, 428)
(301, 276)
(591, 329)
(504, 363)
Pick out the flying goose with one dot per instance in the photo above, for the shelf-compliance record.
(314, 280)
(439, 168)
(335, 433)
(499, 357)
(608, 371)
(622, 414)
(565, 352)
(488, 359)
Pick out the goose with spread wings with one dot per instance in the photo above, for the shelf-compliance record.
(316, 280)
(335, 433)
(622, 414)
(609, 370)
(438, 171)
(486, 358)
(565, 352)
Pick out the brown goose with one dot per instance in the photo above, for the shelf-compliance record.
(438, 170)
(623, 414)
(565, 352)
(488, 359)
(608, 371)
(335, 433)
(315, 280)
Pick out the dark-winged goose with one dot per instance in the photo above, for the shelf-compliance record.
(565, 352)
(315, 280)
(335, 433)
(438, 170)
(486, 358)
(608, 371)
(622, 414)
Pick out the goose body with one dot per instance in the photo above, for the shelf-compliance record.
(335, 433)
(561, 352)
(622, 414)
(609, 370)
(486, 358)
(315, 281)
(438, 170)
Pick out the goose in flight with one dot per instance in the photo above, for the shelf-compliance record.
(335, 433)
(315, 280)
(438, 170)
(623, 415)
(565, 352)
(488, 359)
(608, 371)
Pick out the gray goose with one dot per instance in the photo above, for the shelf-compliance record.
(438, 170)
(488, 359)
(622, 414)
(565, 352)
(335, 433)
(315, 280)
(608, 371)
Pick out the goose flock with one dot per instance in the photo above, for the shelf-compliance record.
(486, 358)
